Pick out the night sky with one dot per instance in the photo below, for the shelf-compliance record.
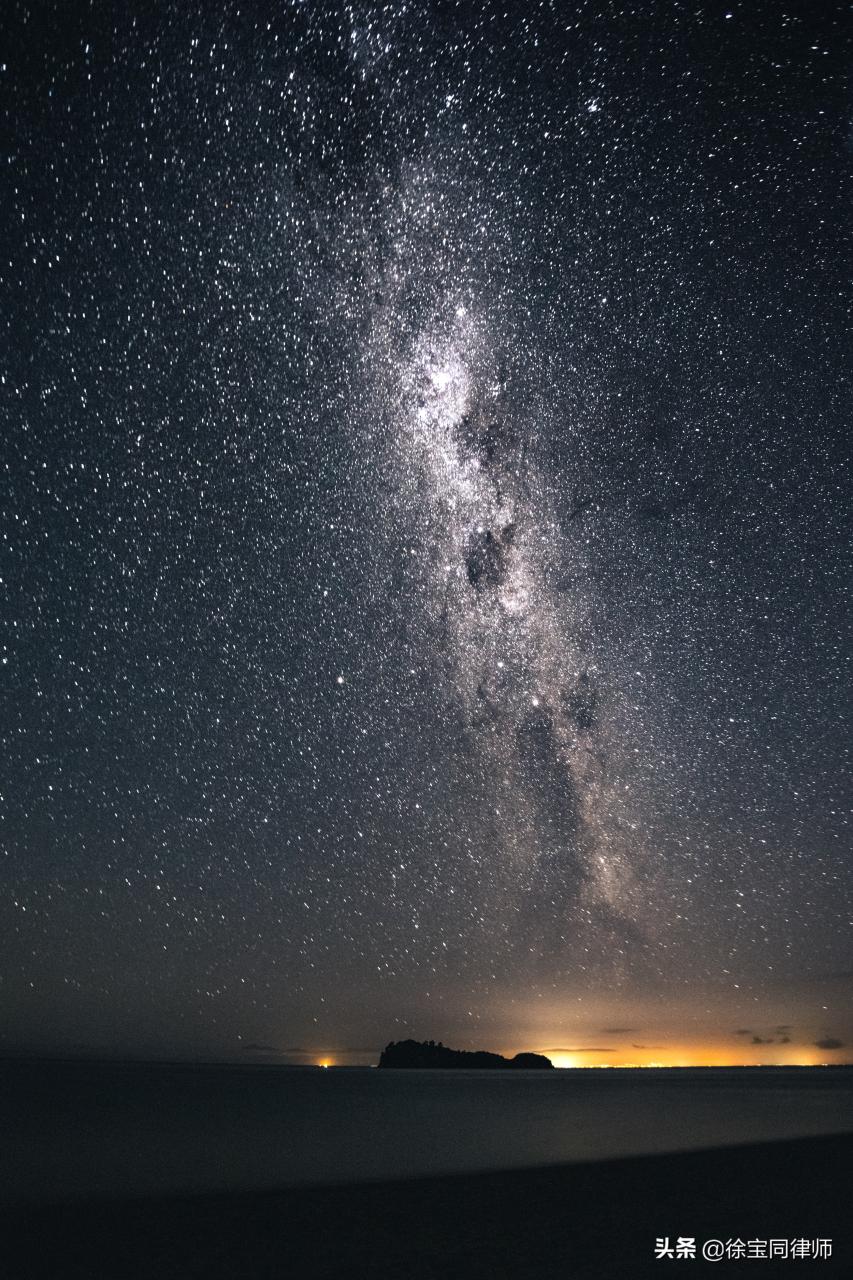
(424, 534)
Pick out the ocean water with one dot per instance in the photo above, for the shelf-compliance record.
(76, 1130)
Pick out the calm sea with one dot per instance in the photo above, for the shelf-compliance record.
(82, 1129)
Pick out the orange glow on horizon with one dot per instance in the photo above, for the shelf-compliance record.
(695, 1055)
(708, 1053)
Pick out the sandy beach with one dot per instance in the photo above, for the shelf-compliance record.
(586, 1221)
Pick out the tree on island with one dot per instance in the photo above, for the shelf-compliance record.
(428, 1054)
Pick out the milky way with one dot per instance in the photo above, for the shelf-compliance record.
(424, 540)
(526, 682)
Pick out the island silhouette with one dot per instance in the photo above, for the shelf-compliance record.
(426, 1053)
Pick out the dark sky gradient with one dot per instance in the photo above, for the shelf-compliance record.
(425, 537)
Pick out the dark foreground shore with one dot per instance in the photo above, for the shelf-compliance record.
(596, 1221)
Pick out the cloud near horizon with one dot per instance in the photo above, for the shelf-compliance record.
(578, 1050)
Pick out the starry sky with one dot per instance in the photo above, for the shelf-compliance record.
(424, 529)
